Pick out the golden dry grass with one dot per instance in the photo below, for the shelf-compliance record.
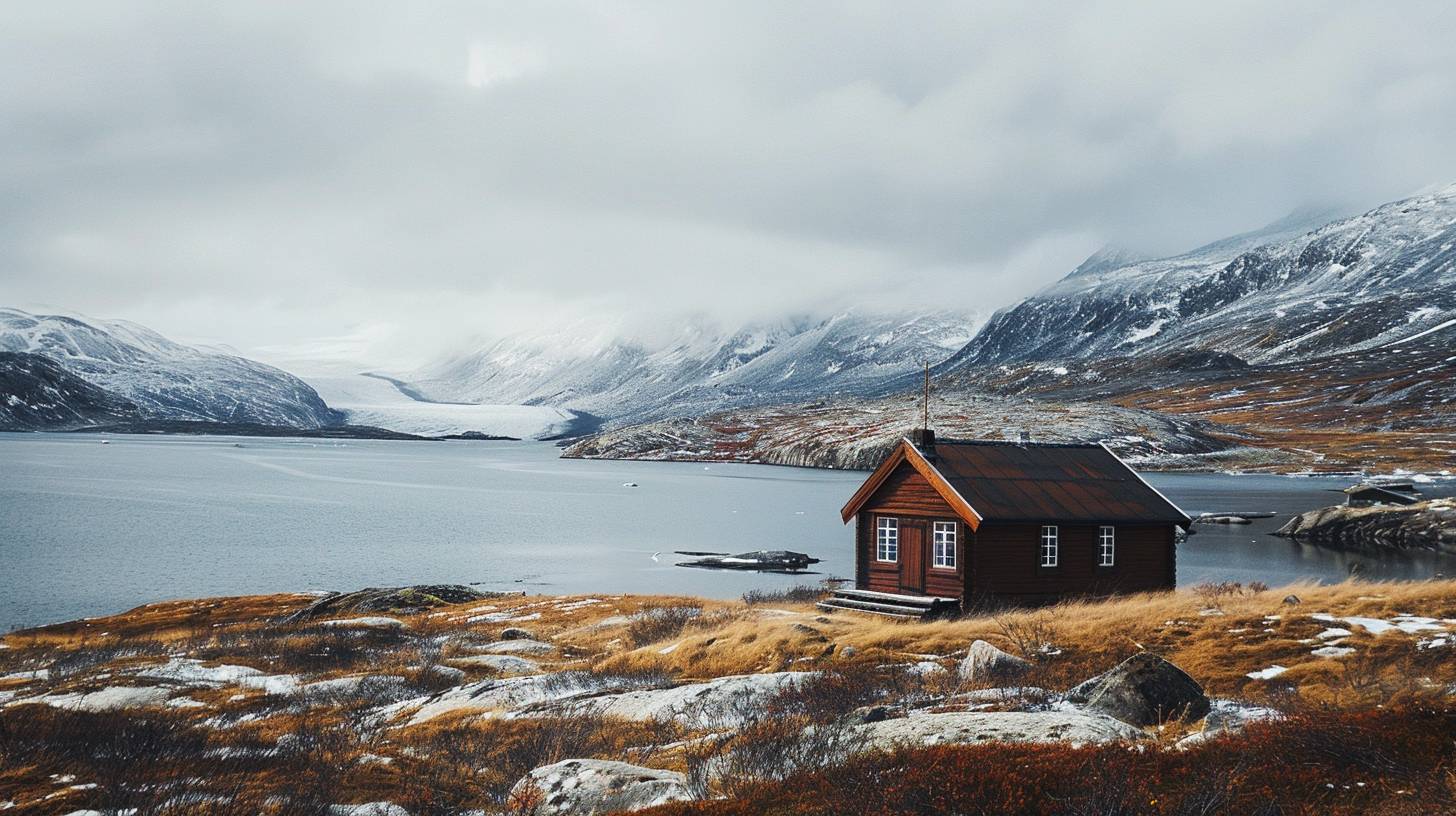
(1218, 639)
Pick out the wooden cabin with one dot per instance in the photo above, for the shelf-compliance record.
(941, 523)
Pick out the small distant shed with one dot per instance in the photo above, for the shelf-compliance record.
(1366, 495)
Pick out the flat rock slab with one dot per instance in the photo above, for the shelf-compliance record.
(113, 698)
(519, 647)
(578, 787)
(719, 703)
(366, 622)
(506, 664)
(966, 727)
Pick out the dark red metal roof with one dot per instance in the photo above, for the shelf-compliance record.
(1009, 481)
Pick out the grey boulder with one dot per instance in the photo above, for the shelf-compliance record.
(1145, 689)
(577, 787)
(985, 663)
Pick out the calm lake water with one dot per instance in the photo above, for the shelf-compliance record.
(89, 528)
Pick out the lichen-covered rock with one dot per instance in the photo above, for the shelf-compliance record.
(516, 633)
(579, 787)
(969, 727)
(985, 663)
(1145, 689)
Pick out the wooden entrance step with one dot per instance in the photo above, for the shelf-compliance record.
(889, 604)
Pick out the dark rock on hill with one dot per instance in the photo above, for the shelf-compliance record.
(399, 600)
(1145, 689)
(37, 394)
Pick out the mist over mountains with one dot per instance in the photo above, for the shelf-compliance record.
(1360, 309)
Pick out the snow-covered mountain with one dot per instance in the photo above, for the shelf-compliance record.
(700, 368)
(163, 379)
(37, 394)
(1291, 292)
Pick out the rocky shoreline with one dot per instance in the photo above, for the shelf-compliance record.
(855, 435)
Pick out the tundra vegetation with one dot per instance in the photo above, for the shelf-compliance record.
(1320, 699)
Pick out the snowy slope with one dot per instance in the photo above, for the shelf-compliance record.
(368, 400)
(700, 367)
(166, 380)
(1283, 294)
(37, 394)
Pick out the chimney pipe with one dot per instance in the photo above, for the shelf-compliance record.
(1024, 438)
(924, 441)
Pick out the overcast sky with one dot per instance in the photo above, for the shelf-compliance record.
(376, 180)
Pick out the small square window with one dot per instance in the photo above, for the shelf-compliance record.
(887, 540)
(1049, 546)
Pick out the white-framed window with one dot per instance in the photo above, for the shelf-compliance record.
(887, 539)
(1106, 546)
(944, 553)
(1049, 545)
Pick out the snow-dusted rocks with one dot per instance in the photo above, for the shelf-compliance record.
(968, 727)
(585, 787)
(516, 647)
(985, 663)
(369, 809)
(112, 698)
(720, 703)
(505, 664)
(1145, 689)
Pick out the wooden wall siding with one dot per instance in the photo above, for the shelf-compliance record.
(906, 492)
(907, 496)
(883, 577)
(1006, 561)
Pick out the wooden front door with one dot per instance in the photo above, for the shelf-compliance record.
(912, 557)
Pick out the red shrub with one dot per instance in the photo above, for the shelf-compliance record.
(1383, 762)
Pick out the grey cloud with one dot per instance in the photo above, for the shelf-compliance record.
(267, 174)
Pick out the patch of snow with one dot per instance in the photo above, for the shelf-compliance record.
(107, 699)
(1267, 674)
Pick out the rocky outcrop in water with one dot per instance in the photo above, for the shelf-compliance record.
(1428, 525)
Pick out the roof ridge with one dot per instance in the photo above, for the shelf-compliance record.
(1011, 443)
